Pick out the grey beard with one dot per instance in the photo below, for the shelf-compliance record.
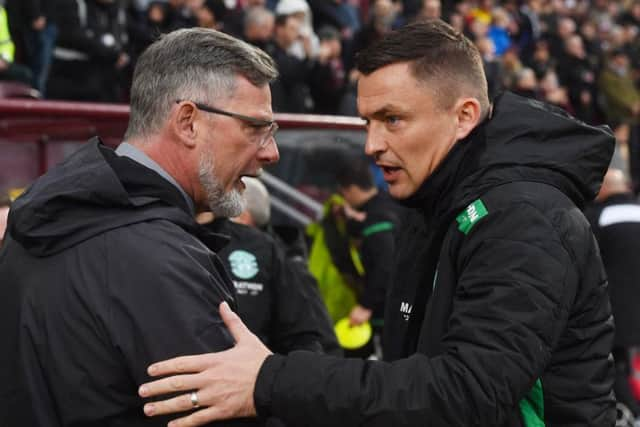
(221, 204)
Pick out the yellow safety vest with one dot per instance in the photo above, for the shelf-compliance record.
(7, 48)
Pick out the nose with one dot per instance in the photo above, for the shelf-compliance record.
(269, 153)
(375, 143)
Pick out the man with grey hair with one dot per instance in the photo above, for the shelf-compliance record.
(258, 204)
(104, 268)
(259, 23)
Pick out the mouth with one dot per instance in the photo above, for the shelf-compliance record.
(240, 182)
(389, 172)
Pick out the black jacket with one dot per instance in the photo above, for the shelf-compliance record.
(290, 92)
(376, 248)
(499, 307)
(277, 297)
(104, 272)
(97, 30)
(616, 225)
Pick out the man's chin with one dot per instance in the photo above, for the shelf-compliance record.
(400, 192)
(230, 205)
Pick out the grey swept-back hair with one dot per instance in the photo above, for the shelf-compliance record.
(258, 201)
(195, 64)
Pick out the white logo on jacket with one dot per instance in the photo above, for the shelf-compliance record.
(405, 309)
(248, 288)
(244, 265)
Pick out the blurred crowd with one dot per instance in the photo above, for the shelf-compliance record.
(583, 55)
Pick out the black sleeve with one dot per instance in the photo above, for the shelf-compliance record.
(293, 70)
(508, 312)
(377, 250)
(164, 288)
(301, 321)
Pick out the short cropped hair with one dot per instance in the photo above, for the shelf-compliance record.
(443, 58)
(355, 170)
(197, 64)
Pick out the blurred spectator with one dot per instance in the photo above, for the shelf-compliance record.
(615, 38)
(492, 66)
(180, 15)
(8, 69)
(291, 92)
(557, 39)
(482, 12)
(565, 28)
(328, 80)
(457, 22)
(412, 10)
(541, 60)
(259, 25)
(600, 12)
(5, 203)
(211, 14)
(526, 27)
(615, 220)
(300, 10)
(526, 84)
(383, 15)
(477, 29)
(621, 99)
(632, 15)
(340, 14)
(91, 54)
(592, 44)
(430, 9)
(499, 31)
(145, 28)
(579, 76)
(511, 66)
(36, 23)
(552, 92)
(234, 20)
(620, 94)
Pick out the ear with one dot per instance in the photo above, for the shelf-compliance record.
(183, 124)
(468, 112)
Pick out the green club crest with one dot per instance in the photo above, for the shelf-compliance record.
(244, 265)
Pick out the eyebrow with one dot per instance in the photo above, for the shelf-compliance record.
(384, 110)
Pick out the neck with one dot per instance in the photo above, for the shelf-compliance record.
(169, 158)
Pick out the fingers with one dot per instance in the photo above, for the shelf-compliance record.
(183, 364)
(183, 403)
(234, 324)
(171, 385)
(176, 404)
(201, 417)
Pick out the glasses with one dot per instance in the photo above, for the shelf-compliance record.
(265, 129)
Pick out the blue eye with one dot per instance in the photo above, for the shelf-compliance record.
(392, 120)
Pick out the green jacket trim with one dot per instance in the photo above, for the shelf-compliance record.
(471, 215)
(532, 406)
(377, 228)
